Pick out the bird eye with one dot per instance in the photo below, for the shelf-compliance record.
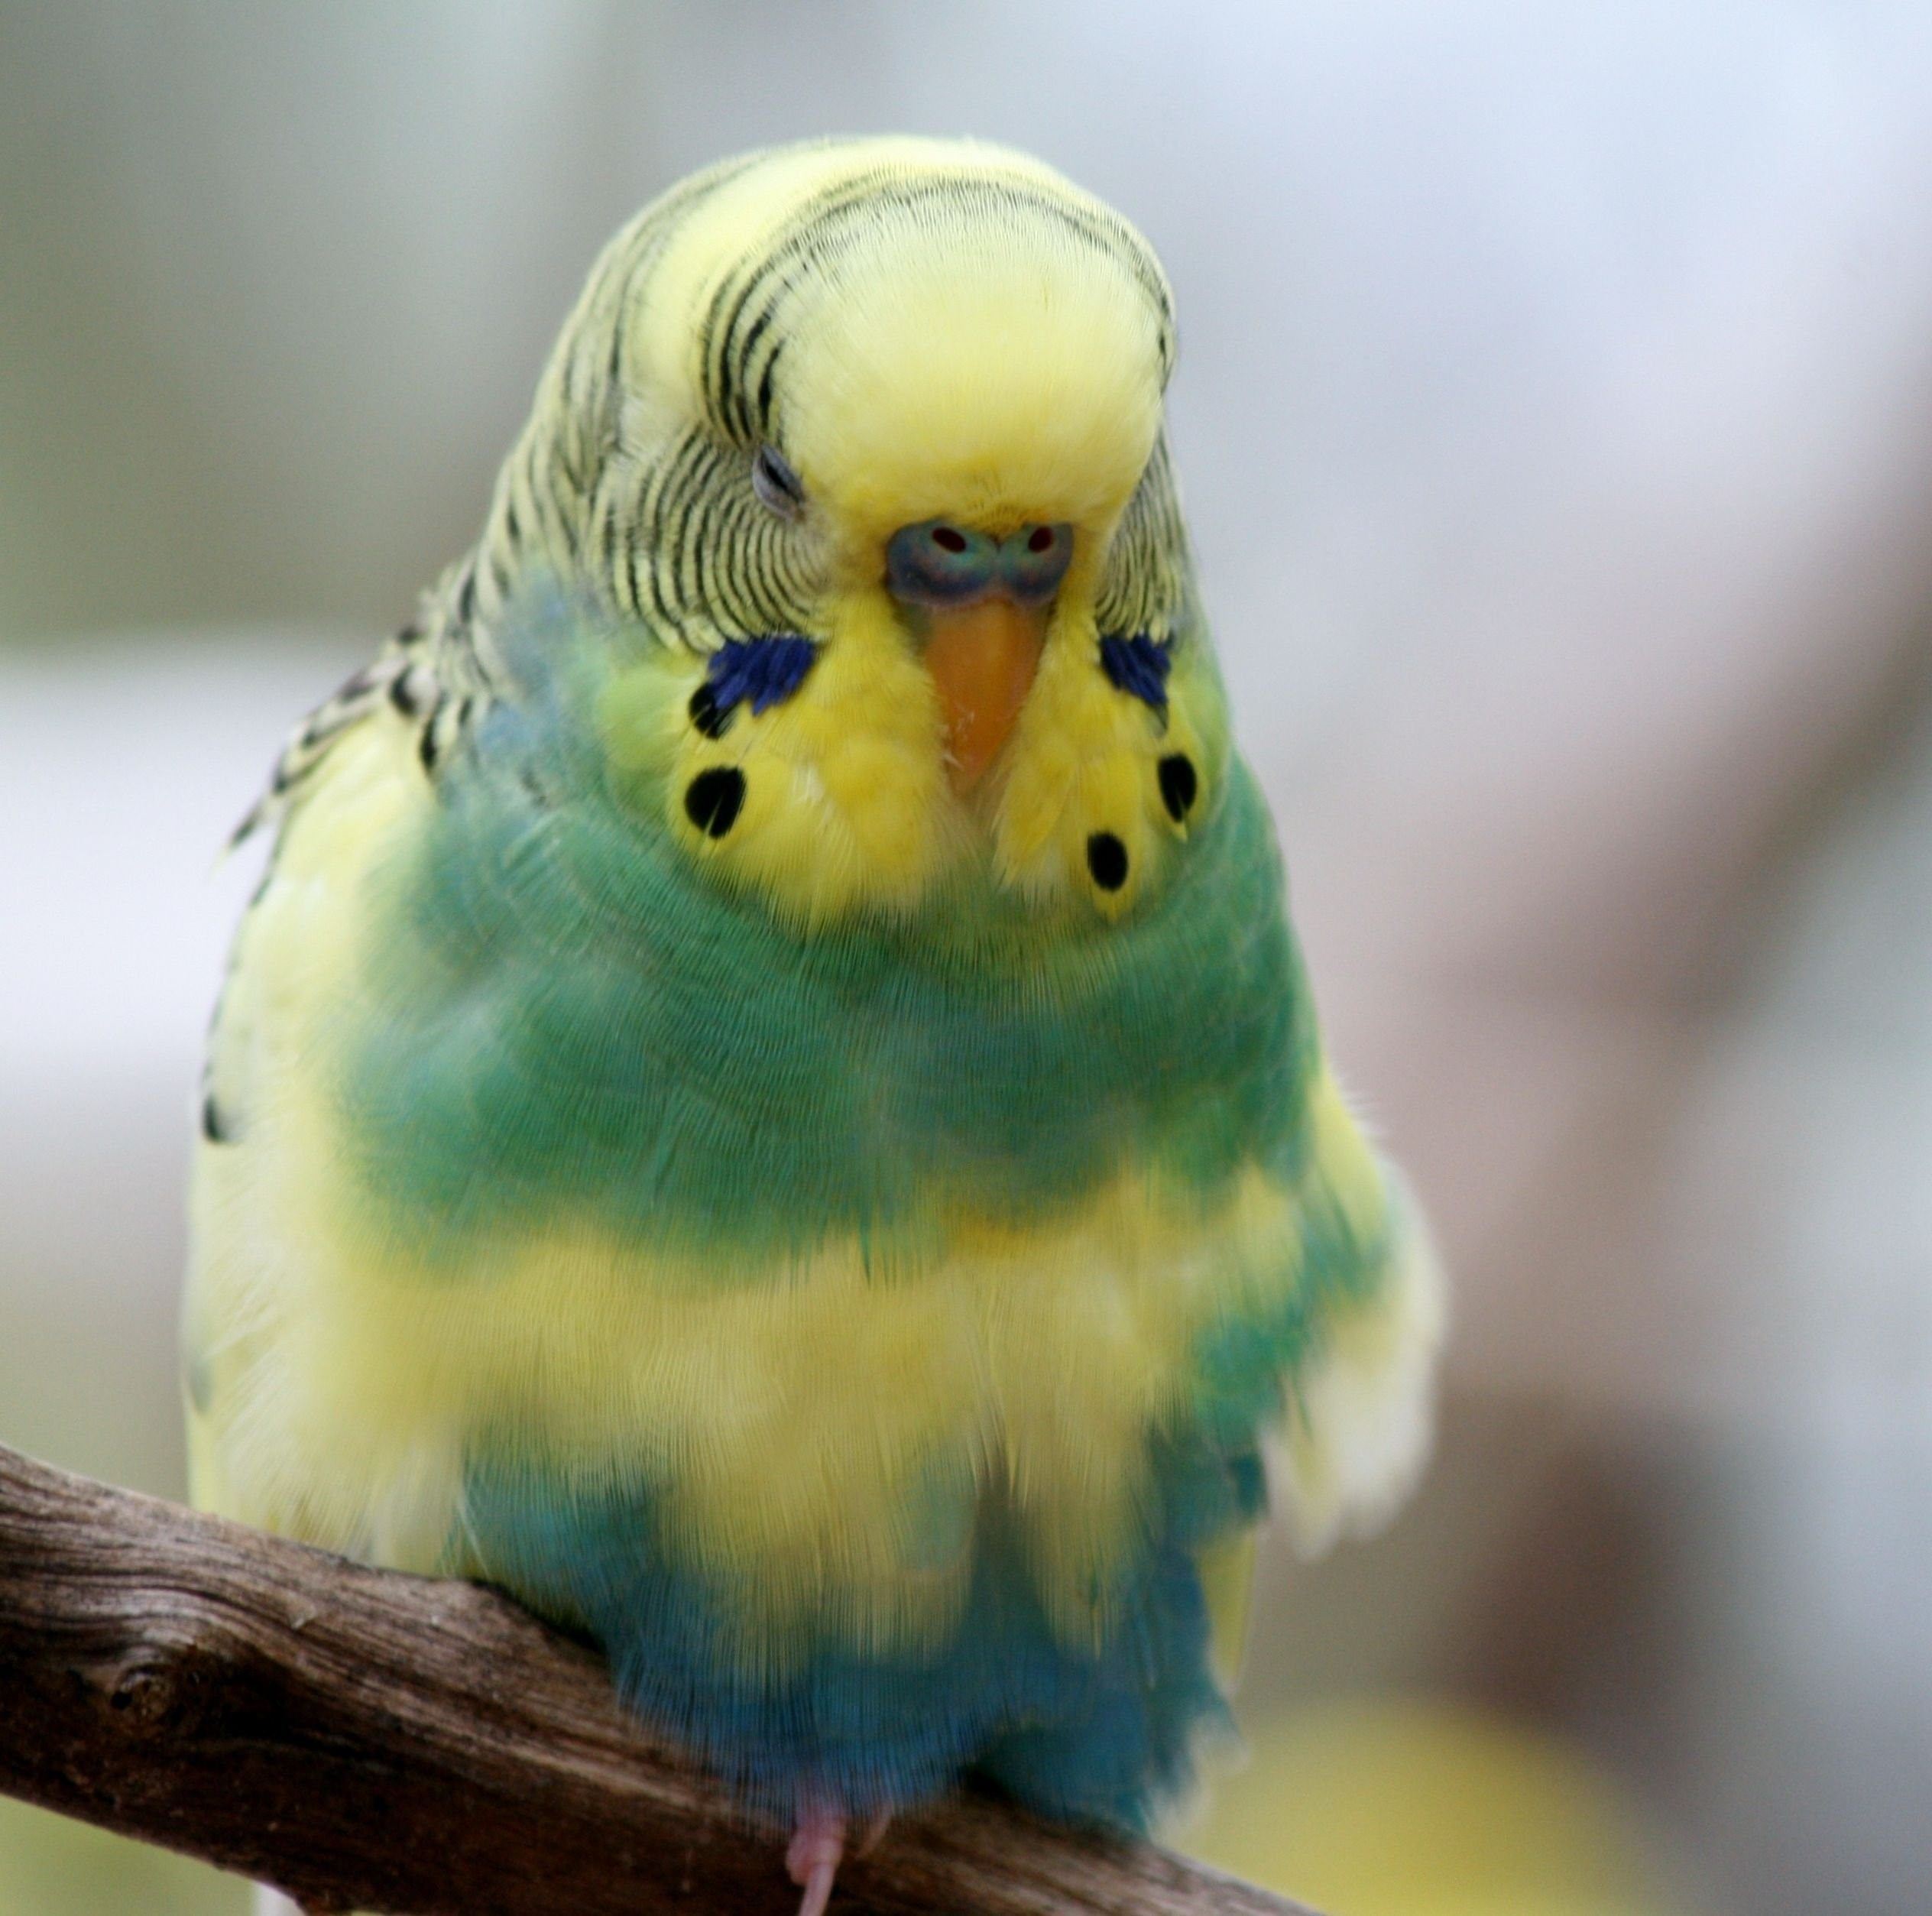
(778, 488)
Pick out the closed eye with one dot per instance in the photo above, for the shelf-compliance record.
(778, 488)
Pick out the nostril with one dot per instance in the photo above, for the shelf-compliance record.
(1034, 560)
(936, 563)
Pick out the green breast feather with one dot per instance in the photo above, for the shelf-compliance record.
(565, 1013)
(563, 1017)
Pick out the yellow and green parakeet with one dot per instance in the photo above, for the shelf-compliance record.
(767, 1102)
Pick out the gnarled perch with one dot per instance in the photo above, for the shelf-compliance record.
(367, 1740)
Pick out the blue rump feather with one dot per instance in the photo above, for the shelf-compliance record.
(1100, 1733)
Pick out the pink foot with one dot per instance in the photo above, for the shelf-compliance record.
(812, 1859)
(877, 1825)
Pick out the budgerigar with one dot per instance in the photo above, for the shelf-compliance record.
(767, 1102)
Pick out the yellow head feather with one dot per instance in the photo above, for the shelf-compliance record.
(949, 328)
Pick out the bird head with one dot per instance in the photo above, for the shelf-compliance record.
(900, 401)
(969, 393)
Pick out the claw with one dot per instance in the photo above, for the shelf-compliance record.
(813, 1857)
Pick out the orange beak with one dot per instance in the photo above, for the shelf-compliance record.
(982, 657)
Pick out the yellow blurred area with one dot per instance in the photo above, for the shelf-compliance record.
(49, 1866)
(1415, 1808)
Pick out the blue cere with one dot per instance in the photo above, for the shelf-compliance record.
(1139, 667)
(936, 563)
(1034, 560)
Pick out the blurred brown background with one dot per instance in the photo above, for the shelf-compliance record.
(1555, 420)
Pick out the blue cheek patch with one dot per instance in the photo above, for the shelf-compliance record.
(1139, 667)
(761, 673)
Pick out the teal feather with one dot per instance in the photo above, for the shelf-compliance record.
(1103, 1733)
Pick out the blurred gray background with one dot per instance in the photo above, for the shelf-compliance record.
(1555, 420)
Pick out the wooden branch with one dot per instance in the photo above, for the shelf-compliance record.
(367, 1740)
